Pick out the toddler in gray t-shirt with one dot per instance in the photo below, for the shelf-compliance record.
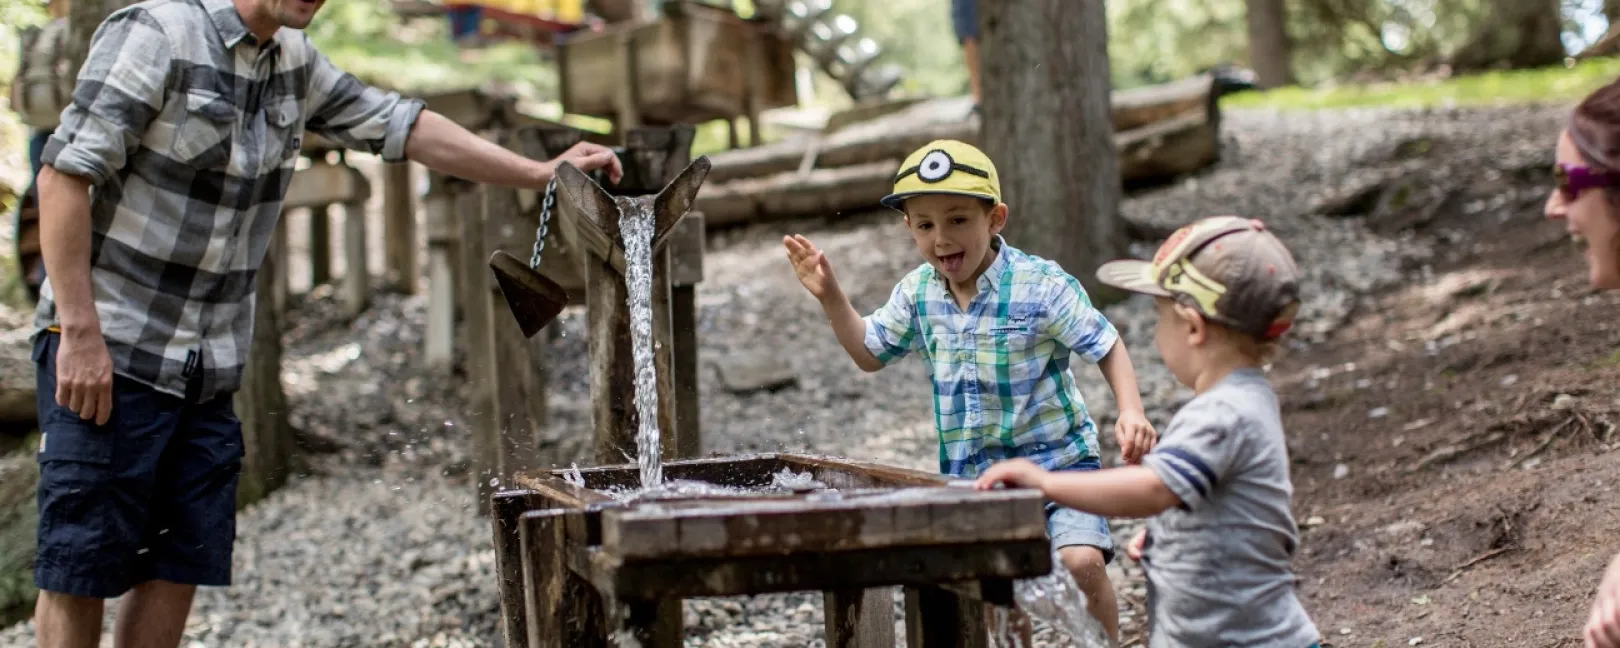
(1221, 536)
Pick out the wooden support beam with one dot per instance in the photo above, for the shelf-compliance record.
(562, 610)
(260, 403)
(479, 314)
(509, 507)
(938, 618)
(320, 244)
(685, 273)
(278, 267)
(399, 218)
(356, 273)
(325, 183)
(859, 618)
(648, 624)
(440, 336)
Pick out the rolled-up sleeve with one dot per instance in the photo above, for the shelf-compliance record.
(359, 116)
(119, 92)
(1074, 322)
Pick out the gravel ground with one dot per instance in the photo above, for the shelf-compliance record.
(376, 542)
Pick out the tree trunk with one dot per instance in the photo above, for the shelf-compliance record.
(1518, 34)
(1269, 47)
(1047, 127)
(84, 16)
(1611, 10)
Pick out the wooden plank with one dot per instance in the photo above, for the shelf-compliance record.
(356, 273)
(399, 226)
(515, 370)
(509, 507)
(439, 338)
(279, 255)
(894, 519)
(478, 308)
(561, 609)
(686, 242)
(324, 183)
(260, 404)
(648, 623)
(818, 570)
(859, 618)
(843, 473)
(320, 244)
(937, 618)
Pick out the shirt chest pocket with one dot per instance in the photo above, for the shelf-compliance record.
(283, 133)
(203, 139)
(1019, 331)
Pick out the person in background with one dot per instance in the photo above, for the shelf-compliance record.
(39, 93)
(965, 17)
(1586, 197)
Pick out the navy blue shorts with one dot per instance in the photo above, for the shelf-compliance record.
(965, 17)
(150, 495)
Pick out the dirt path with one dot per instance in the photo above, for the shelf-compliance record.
(1452, 441)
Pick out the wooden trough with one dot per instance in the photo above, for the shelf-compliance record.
(578, 566)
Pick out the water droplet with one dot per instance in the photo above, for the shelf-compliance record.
(494, 481)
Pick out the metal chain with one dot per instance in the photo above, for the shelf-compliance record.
(546, 205)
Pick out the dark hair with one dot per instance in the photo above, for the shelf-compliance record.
(1595, 128)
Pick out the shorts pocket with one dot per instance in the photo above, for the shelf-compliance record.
(203, 139)
(66, 437)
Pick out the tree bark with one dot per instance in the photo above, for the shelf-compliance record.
(1518, 34)
(1269, 46)
(1047, 127)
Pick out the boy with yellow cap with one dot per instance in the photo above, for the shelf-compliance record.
(1218, 545)
(995, 327)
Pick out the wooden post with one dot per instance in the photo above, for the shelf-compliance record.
(509, 507)
(515, 366)
(260, 404)
(939, 618)
(859, 618)
(440, 337)
(277, 265)
(320, 244)
(649, 624)
(685, 273)
(399, 226)
(562, 609)
(356, 274)
(480, 336)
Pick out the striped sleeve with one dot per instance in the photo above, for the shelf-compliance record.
(891, 331)
(356, 115)
(1197, 451)
(119, 92)
(1074, 322)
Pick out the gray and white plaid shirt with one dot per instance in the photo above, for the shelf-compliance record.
(189, 129)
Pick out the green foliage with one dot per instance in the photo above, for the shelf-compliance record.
(1506, 86)
(917, 34)
(367, 40)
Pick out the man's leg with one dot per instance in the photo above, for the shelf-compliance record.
(67, 621)
(1086, 547)
(196, 508)
(965, 18)
(95, 483)
(153, 615)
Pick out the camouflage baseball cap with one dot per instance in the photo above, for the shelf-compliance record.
(1230, 269)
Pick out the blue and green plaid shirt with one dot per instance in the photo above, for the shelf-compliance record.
(1002, 386)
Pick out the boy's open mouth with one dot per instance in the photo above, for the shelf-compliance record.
(952, 262)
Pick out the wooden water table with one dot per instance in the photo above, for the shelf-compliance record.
(581, 568)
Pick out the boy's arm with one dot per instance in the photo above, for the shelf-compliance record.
(1121, 376)
(850, 328)
(1131, 491)
(1075, 323)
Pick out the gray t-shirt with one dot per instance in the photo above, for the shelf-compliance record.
(1218, 566)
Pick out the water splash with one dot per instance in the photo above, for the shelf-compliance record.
(636, 228)
(1056, 600)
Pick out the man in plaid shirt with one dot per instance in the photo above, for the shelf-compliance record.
(995, 327)
(159, 194)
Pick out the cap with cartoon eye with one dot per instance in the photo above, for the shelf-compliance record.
(935, 166)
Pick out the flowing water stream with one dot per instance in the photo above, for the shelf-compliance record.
(636, 228)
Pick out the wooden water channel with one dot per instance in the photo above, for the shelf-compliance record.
(579, 568)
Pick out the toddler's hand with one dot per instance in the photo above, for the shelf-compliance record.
(1015, 473)
(1135, 435)
(1138, 543)
(814, 271)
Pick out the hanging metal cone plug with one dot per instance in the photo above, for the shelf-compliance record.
(535, 300)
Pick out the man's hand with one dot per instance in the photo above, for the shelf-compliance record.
(84, 376)
(1603, 626)
(1138, 543)
(590, 157)
(1135, 435)
(1015, 473)
(814, 271)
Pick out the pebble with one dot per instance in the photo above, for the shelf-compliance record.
(375, 540)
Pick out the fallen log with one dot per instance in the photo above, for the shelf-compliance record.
(1166, 148)
(899, 132)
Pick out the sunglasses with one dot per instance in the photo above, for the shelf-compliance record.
(1572, 179)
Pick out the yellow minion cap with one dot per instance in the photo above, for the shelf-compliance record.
(945, 166)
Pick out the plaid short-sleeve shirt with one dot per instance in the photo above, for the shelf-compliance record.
(1000, 368)
(188, 129)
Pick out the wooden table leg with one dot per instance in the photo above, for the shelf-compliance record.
(859, 618)
(509, 507)
(648, 624)
(937, 618)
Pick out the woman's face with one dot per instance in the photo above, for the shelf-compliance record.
(1592, 220)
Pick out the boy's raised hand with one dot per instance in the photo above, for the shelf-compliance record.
(811, 265)
(1135, 435)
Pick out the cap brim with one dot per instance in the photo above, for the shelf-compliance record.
(1131, 274)
(898, 200)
